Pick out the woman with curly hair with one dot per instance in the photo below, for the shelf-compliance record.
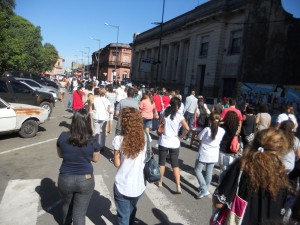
(169, 142)
(129, 156)
(231, 127)
(263, 183)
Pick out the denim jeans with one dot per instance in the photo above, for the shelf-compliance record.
(126, 207)
(76, 192)
(189, 117)
(100, 128)
(224, 161)
(155, 122)
(204, 182)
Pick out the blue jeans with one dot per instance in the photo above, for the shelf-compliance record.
(155, 122)
(189, 117)
(76, 192)
(126, 207)
(204, 182)
(100, 128)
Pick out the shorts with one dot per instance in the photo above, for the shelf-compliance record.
(111, 115)
(147, 123)
(163, 152)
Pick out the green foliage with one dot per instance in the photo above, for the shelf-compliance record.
(21, 45)
(7, 6)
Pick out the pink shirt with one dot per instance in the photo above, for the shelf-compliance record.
(146, 108)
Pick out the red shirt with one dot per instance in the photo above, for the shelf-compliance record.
(77, 100)
(166, 100)
(158, 102)
(238, 112)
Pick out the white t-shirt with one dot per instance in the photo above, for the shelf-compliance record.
(209, 149)
(169, 138)
(282, 117)
(120, 94)
(130, 175)
(100, 111)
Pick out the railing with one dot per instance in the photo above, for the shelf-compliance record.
(122, 64)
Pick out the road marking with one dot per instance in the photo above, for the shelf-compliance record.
(20, 202)
(162, 202)
(27, 146)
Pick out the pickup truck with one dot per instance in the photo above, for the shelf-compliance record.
(13, 91)
(21, 118)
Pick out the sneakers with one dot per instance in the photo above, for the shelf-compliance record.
(178, 189)
(159, 183)
(202, 195)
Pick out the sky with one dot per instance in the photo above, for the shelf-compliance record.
(69, 25)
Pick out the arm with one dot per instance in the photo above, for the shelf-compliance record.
(96, 156)
(216, 203)
(59, 152)
(186, 128)
(117, 158)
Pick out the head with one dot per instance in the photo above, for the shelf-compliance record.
(263, 108)
(102, 91)
(231, 121)
(249, 109)
(133, 132)
(200, 99)
(287, 127)
(130, 92)
(175, 104)
(81, 129)
(262, 163)
(232, 102)
(110, 88)
(96, 91)
(290, 109)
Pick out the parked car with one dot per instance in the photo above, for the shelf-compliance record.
(30, 75)
(14, 91)
(22, 118)
(39, 86)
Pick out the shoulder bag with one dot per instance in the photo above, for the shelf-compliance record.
(161, 126)
(151, 169)
(232, 215)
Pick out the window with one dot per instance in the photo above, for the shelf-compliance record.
(32, 83)
(236, 42)
(204, 46)
(20, 88)
(3, 87)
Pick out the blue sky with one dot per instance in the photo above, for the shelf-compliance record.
(69, 24)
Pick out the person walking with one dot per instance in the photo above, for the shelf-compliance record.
(129, 157)
(169, 142)
(190, 106)
(208, 153)
(263, 118)
(62, 88)
(78, 96)
(111, 96)
(248, 126)
(78, 148)
(101, 108)
(263, 182)
(126, 102)
(147, 107)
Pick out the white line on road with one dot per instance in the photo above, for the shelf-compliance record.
(19, 204)
(27, 146)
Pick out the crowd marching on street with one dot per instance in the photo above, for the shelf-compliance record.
(258, 157)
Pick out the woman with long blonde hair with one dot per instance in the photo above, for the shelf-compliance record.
(263, 183)
(129, 156)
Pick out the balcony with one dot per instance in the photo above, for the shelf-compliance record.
(120, 64)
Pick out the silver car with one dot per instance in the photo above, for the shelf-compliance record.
(36, 85)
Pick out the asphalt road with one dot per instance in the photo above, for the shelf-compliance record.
(28, 187)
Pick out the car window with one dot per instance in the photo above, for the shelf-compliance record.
(2, 105)
(3, 87)
(32, 83)
(20, 88)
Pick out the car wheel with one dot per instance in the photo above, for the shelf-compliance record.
(29, 129)
(48, 106)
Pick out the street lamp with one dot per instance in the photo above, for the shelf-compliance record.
(117, 27)
(82, 66)
(160, 37)
(98, 59)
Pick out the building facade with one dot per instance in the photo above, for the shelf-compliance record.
(215, 46)
(114, 62)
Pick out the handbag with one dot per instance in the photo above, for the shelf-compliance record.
(233, 215)
(151, 169)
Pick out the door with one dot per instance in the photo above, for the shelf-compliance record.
(7, 118)
(23, 93)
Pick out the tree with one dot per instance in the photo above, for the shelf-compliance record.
(7, 6)
(50, 56)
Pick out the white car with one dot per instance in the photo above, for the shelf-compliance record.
(22, 118)
(38, 86)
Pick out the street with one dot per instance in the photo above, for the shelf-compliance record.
(29, 171)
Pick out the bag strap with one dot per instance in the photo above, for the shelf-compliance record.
(148, 152)
(240, 175)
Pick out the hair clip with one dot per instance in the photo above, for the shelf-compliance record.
(261, 149)
(217, 120)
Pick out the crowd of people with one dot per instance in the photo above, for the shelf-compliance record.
(258, 160)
